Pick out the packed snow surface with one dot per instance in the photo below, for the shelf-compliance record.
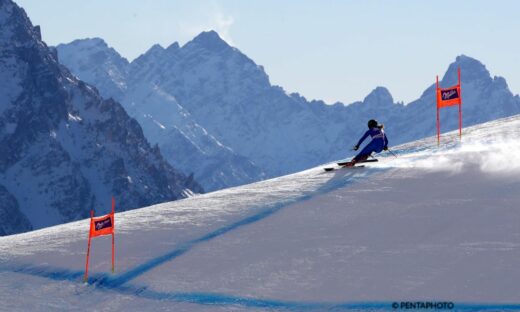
(436, 223)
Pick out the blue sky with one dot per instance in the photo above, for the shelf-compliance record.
(329, 50)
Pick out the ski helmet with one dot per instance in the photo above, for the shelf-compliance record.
(372, 123)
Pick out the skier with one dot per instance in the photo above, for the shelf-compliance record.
(379, 143)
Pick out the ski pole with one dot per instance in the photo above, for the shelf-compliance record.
(388, 150)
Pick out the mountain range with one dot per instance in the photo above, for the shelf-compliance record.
(213, 111)
(64, 149)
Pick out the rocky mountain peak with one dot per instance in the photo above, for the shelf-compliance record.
(472, 70)
(380, 96)
(97, 60)
(17, 32)
(173, 47)
(156, 49)
(94, 49)
(209, 40)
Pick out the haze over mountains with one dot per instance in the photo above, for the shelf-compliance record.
(209, 106)
(65, 150)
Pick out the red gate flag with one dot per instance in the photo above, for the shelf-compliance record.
(448, 97)
(101, 226)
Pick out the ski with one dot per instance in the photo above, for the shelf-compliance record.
(343, 167)
(343, 163)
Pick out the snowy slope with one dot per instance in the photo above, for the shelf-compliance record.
(435, 224)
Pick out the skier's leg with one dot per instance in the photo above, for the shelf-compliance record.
(362, 156)
(365, 152)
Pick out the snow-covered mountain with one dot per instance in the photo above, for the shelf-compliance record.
(111, 69)
(225, 93)
(436, 224)
(231, 96)
(65, 150)
(185, 144)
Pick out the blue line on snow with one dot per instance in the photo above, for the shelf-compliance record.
(182, 249)
(226, 300)
(229, 300)
(187, 246)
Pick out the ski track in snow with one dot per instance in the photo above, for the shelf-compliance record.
(484, 146)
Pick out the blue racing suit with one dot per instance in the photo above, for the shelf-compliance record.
(378, 143)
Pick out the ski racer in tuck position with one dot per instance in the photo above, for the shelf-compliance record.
(379, 143)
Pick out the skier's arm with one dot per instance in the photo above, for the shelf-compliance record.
(386, 142)
(363, 138)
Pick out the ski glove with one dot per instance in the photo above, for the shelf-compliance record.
(356, 147)
(385, 148)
